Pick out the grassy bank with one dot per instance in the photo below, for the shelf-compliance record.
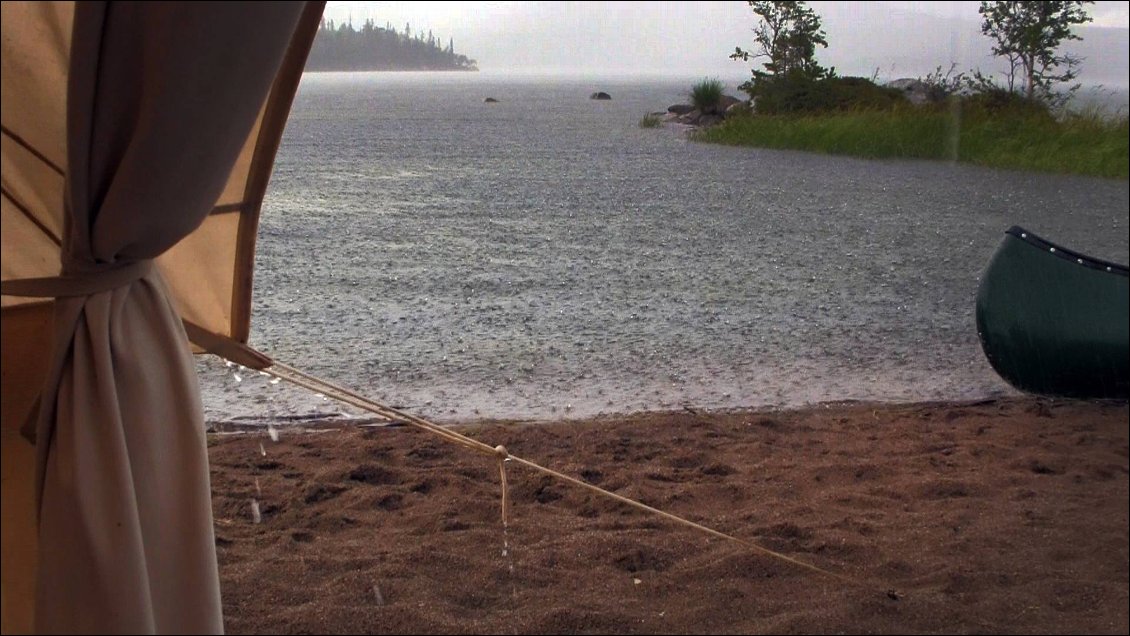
(1079, 144)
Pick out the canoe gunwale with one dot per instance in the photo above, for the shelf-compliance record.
(1068, 254)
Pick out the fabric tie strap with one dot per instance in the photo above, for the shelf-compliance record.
(84, 284)
(71, 286)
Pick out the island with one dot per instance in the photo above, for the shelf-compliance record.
(341, 47)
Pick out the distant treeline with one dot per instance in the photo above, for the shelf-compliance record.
(374, 48)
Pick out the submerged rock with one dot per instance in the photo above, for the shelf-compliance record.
(600, 95)
(490, 100)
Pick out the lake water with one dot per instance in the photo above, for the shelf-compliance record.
(545, 256)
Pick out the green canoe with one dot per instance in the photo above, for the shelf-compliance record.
(1055, 322)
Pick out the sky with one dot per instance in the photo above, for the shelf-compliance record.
(882, 39)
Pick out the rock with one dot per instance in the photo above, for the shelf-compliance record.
(738, 109)
(600, 95)
(691, 117)
(725, 102)
(916, 91)
(490, 100)
(708, 120)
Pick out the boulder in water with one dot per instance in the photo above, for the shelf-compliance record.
(600, 95)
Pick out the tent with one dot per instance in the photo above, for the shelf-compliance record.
(138, 139)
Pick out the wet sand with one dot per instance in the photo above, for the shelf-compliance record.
(999, 516)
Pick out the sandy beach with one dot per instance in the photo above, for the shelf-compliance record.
(999, 516)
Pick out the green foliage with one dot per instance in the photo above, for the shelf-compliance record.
(651, 120)
(1083, 143)
(1027, 35)
(941, 86)
(795, 94)
(970, 117)
(740, 109)
(787, 35)
(863, 134)
(991, 100)
(706, 95)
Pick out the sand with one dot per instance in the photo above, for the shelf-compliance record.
(1001, 516)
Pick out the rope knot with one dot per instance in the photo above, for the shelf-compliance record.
(501, 451)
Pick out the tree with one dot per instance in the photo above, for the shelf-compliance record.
(787, 35)
(344, 48)
(1027, 35)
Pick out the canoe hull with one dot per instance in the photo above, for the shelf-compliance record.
(1055, 322)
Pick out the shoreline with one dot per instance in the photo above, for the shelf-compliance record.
(1005, 515)
(317, 422)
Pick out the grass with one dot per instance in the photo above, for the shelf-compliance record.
(1083, 143)
(651, 120)
(706, 94)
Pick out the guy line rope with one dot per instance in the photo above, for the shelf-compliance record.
(300, 378)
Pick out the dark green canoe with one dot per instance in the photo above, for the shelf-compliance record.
(1055, 322)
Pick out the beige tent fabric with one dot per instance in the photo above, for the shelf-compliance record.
(161, 100)
(210, 271)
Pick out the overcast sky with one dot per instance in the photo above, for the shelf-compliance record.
(888, 39)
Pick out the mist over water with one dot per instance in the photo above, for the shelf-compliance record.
(545, 257)
(889, 39)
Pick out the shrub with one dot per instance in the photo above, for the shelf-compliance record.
(940, 87)
(651, 120)
(707, 95)
(799, 94)
(995, 102)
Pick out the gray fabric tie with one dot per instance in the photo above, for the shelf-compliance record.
(82, 284)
